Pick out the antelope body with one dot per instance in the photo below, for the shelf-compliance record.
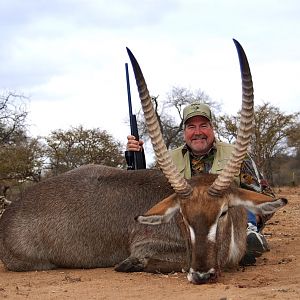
(85, 218)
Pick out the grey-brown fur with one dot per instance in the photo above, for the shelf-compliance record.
(85, 219)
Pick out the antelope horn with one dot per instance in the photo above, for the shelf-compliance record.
(164, 159)
(232, 168)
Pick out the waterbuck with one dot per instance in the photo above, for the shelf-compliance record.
(97, 216)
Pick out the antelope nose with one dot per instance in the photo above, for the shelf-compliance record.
(202, 277)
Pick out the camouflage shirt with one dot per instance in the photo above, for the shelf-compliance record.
(250, 177)
(202, 164)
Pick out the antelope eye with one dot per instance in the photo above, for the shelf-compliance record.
(223, 213)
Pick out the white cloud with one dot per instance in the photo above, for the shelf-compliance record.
(68, 56)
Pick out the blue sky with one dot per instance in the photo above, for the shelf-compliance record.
(68, 56)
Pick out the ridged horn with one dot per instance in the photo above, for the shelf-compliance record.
(232, 168)
(164, 159)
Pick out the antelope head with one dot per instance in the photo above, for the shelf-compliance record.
(207, 203)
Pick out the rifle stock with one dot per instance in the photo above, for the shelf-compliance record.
(135, 160)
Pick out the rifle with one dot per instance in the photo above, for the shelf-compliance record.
(135, 160)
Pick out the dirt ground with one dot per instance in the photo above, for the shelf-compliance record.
(276, 274)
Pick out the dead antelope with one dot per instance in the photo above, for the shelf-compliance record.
(85, 218)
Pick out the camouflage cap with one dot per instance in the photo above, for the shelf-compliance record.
(196, 109)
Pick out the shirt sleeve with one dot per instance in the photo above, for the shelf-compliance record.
(252, 179)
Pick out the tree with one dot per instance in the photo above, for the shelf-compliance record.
(169, 114)
(21, 161)
(21, 157)
(226, 127)
(272, 130)
(12, 117)
(294, 139)
(72, 148)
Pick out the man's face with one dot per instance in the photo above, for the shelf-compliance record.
(199, 135)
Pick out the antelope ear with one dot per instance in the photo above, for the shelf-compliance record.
(256, 202)
(162, 212)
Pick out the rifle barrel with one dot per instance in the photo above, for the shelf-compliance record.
(129, 96)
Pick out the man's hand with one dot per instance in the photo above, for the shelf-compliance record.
(133, 145)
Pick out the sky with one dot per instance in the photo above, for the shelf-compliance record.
(68, 56)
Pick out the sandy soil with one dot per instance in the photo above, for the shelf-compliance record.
(276, 274)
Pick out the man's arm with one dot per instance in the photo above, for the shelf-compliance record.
(252, 179)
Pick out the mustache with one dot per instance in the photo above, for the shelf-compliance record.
(199, 136)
